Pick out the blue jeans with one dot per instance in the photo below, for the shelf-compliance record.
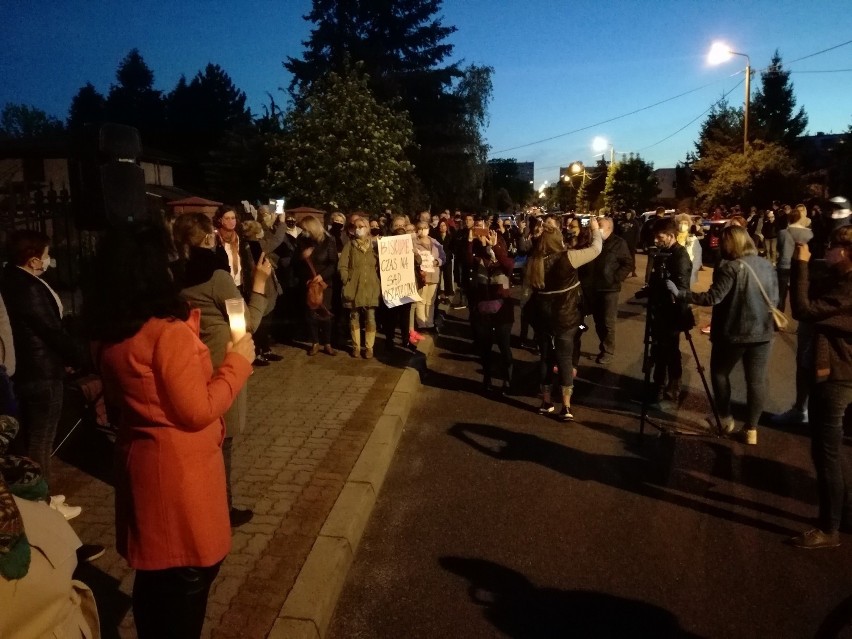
(558, 350)
(828, 405)
(40, 406)
(755, 358)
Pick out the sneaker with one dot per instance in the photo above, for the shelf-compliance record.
(414, 336)
(546, 408)
(90, 552)
(313, 350)
(705, 330)
(792, 417)
(328, 350)
(604, 358)
(750, 436)
(816, 538)
(69, 512)
(269, 356)
(458, 307)
(368, 353)
(260, 360)
(240, 516)
(565, 414)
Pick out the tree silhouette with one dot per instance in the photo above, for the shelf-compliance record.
(24, 122)
(774, 105)
(87, 106)
(134, 101)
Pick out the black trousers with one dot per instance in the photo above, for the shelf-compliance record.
(605, 312)
(666, 356)
(171, 603)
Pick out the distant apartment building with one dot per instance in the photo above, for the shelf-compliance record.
(526, 171)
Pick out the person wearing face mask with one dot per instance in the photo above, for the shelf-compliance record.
(290, 307)
(337, 230)
(827, 306)
(202, 277)
(44, 351)
(358, 268)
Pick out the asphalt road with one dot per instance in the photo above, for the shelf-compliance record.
(497, 522)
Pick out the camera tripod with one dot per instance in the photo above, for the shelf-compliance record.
(648, 364)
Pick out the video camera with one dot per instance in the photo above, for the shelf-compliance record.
(659, 272)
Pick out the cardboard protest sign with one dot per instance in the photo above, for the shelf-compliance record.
(396, 268)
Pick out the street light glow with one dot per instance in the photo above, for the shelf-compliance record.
(599, 144)
(576, 168)
(719, 53)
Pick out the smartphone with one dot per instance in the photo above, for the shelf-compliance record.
(478, 232)
(584, 221)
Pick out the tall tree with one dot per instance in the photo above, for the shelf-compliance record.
(87, 106)
(24, 122)
(340, 147)
(134, 100)
(631, 184)
(403, 47)
(840, 171)
(774, 107)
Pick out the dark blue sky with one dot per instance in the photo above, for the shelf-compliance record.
(559, 65)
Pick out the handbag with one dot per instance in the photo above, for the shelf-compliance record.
(780, 320)
(316, 289)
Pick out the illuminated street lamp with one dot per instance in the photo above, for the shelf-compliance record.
(721, 52)
(600, 145)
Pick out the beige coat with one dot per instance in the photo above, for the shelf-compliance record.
(47, 603)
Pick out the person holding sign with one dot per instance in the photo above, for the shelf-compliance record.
(397, 264)
(429, 251)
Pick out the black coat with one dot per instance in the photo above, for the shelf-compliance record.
(670, 314)
(324, 259)
(608, 270)
(42, 347)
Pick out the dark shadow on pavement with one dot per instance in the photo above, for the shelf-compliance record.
(518, 608)
(650, 476)
(838, 622)
(113, 605)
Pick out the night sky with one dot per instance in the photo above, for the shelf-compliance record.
(559, 65)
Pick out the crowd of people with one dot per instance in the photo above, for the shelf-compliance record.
(174, 375)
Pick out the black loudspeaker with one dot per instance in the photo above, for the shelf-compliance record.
(107, 186)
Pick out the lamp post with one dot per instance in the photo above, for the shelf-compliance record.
(721, 52)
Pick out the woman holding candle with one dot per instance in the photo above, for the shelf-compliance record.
(170, 492)
(205, 283)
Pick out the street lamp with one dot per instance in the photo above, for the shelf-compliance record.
(599, 145)
(721, 52)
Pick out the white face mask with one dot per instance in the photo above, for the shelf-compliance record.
(423, 232)
(684, 227)
(360, 232)
(46, 264)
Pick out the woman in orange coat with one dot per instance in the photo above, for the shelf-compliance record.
(171, 506)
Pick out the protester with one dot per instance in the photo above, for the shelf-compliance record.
(770, 236)
(358, 268)
(43, 350)
(797, 232)
(462, 267)
(228, 242)
(552, 275)
(431, 261)
(602, 279)
(203, 280)
(628, 230)
(670, 316)
(172, 521)
(8, 405)
(491, 309)
(38, 556)
(317, 263)
(290, 307)
(687, 238)
(399, 317)
(828, 307)
(742, 325)
(446, 237)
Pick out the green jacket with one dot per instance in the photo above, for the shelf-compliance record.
(359, 269)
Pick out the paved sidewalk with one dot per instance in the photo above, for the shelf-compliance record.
(308, 421)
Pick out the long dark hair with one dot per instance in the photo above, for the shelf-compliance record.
(131, 283)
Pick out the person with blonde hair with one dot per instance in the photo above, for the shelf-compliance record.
(359, 269)
(743, 293)
(555, 314)
(317, 263)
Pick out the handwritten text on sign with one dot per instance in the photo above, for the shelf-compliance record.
(396, 267)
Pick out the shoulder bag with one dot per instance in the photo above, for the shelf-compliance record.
(780, 320)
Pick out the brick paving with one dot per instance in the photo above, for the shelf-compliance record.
(307, 423)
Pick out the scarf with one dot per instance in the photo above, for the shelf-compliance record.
(231, 239)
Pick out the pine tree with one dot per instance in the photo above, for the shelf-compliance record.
(403, 48)
(134, 101)
(87, 106)
(773, 107)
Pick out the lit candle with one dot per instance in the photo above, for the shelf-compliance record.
(236, 309)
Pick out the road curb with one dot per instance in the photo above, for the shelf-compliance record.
(308, 609)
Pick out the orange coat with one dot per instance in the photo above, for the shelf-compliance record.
(171, 507)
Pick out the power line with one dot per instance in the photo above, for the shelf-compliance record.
(825, 71)
(651, 106)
